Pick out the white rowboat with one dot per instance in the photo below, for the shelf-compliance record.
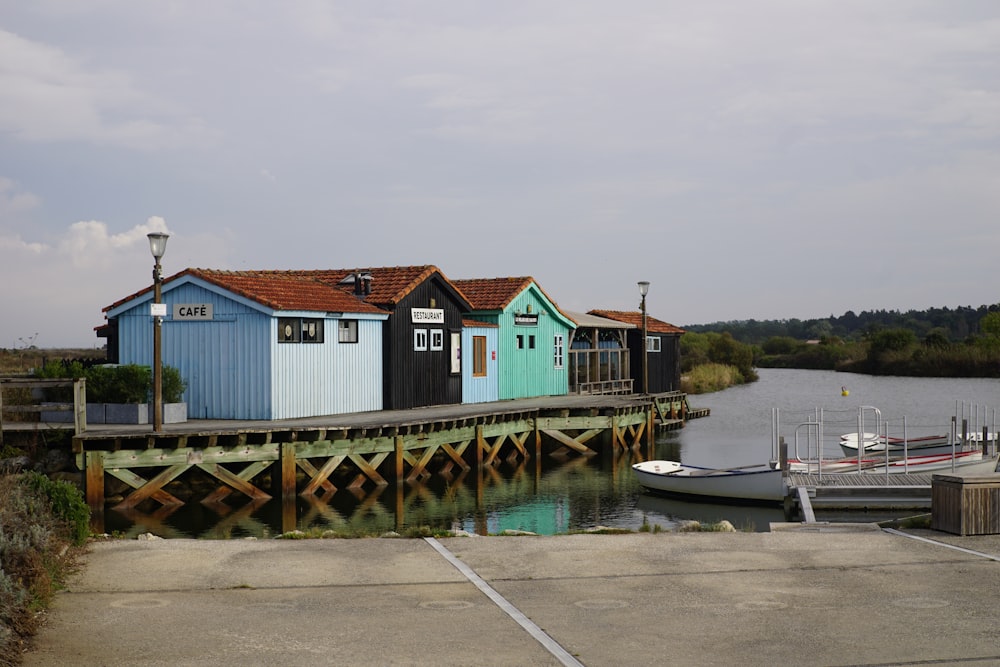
(749, 484)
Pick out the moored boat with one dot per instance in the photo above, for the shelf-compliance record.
(928, 444)
(763, 483)
(968, 461)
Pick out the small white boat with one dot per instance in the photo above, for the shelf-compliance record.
(761, 483)
(928, 444)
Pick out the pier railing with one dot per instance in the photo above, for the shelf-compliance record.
(23, 406)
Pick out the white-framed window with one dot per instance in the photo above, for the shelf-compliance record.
(558, 350)
(420, 340)
(520, 342)
(347, 331)
(437, 340)
(652, 343)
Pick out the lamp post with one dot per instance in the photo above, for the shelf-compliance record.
(643, 290)
(157, 246)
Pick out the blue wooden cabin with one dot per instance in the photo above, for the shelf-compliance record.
(258, 344)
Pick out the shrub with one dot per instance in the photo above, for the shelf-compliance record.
(66, 504)
(33, 540)
(129, 383)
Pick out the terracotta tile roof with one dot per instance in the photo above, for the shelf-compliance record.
(492, 293)
(279, 290)
(389, 284)
(653, 325)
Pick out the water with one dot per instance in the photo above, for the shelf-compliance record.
(556, 497)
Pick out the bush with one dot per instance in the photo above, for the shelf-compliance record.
(33, 555)
(66, 504)
(129, 383)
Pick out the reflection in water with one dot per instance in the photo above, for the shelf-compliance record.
(553, 495)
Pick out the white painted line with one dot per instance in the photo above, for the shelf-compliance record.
(942, 544)
(551, 645)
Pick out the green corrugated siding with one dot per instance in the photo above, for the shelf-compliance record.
(531, 372)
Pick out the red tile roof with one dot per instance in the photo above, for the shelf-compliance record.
(653, 325)
(497, 293)
(279, 290)
(389, 284)
(492, 293)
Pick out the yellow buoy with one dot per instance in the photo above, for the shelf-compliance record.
(843, 391)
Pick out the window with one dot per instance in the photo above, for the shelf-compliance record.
(531, 342)
(437, 340)
(558, 347)
(520, 342)
(420, 340)
(652, 343)
(312, 331)
(479, 356)
(288, 330)
(347, 331)
(456, 352)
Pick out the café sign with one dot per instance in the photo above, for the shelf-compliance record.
(192, 311)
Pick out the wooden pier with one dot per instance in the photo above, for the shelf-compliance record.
(315, 457)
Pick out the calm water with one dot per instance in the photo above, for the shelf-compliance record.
(583, 493)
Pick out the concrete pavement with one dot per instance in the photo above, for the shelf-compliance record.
(843, 594)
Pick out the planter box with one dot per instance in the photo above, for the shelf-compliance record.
(95, 414)
(127, 413)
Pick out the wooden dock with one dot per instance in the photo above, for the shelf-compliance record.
(315, 457)
(857, 491)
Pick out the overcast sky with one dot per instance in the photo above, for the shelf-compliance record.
(763, 159)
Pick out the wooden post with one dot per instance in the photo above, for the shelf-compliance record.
(480, 446)
(286, 452)
(93, 484)
(80, 405)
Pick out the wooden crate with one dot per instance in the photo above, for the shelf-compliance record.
(966, 504)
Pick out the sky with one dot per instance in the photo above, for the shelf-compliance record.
(758, 159)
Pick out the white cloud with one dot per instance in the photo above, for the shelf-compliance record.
(47, 95)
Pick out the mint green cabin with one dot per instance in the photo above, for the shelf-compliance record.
(533, 335)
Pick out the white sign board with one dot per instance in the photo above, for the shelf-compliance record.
(193, 311)
(158, 310)
(427, 315)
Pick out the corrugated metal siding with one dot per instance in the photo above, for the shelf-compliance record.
(525, 372)
(480, 389)
(330, 377)
(418, 378)
(225, 361)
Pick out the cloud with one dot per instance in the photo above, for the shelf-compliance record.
(58, 287)
(47, 95)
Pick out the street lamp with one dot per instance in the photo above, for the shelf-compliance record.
(157, 246)
(643, 290)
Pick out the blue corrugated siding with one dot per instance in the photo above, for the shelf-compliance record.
(480, 389)
(225, 361)
(235, 368)
(328, 378)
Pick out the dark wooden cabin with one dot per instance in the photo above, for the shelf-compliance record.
(663, 349)
(422, 338)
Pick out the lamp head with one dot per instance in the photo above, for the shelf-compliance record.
(157, 244)
(643, 287)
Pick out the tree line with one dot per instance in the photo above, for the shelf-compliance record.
(953, 324)
(941, 342)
